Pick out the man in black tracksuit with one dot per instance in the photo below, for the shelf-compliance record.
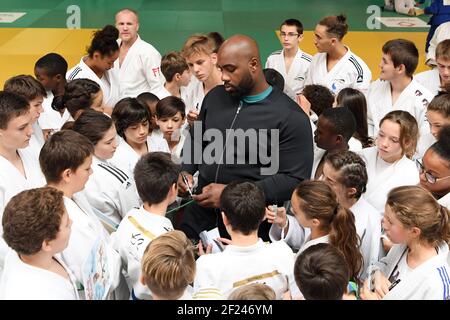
(273, 147)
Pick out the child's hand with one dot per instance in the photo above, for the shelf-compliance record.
(279, 217)
(201, 251)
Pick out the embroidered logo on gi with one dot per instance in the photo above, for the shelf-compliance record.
(425, 102)
(299, 78)
(418, 93)
(359, 79)
(155, 71)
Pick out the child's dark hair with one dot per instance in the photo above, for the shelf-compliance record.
(104, 41)
(274, 78)
(336, 26)
(25, 86)
(32, 217)
(293, 22)
(93, 125)
(404, 52)
(351, 169)
(173, 63)
(155, 173)
(442, 146)
(318, 201)
(53, 64)
(319, 97)
(78, 95)
(243, 203)
(342, 121)
(129, 112)
(11, 106)
(356, 102)
(64, 149)
(217, 38)
(321, 273)
(169, 107)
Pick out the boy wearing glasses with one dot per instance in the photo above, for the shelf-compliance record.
(291, 62)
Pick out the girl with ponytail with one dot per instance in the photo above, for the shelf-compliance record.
(416, 266)
(315, 206)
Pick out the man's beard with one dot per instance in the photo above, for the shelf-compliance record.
(244, 87)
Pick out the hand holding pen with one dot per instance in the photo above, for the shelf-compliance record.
(185, 183)
(193, 114)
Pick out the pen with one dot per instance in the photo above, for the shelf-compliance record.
(185, 180)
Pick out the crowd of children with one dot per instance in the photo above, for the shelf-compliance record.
(92, 190)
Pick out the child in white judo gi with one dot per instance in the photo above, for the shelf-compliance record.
(19, 166)
(168, 266)
(416, 267)
(176, 71)
(156, 181)
(247, 259)
(66, 160)
(336, 66)
(109, 190)
(291, 62)
(33, 91)
(132, 121)
(50, 70)
(37, 227)
(322, 273)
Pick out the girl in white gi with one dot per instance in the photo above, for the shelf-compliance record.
(109, 190)
(396, 89)
(170, 116)
(291, 62)
(132, 121)
(79, 95)
(66, 160)
(168, 266)
(50, 70)
(37, 227)
(139, 62)
(435, 169)
(19, 168)
(201, 57)
(355, 101)
(335, 66)
(247, 259)
(346, 173)
(98, 65)
(388, 164)
(407, 7)
(156, 181)
(437, 78)
(33, 91)
(416, 267)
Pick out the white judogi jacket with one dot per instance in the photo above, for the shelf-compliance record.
(195, 93)
(445, 201)
(21, 281)
(401, 173)
(109, 83)
(137, 229)
(354, 145)
(295, 78)
(157, 142)
(414, 99)
(442, 33)
(140, 70)
(319, 153)
(37, 140)
(50, 118)
(351, 71)
(295, 237)
(110, 190)
(271, 264)
(428, 281)
(86, 230)
(368, 228)
(430, 79)
(125, 158)
(12, 182)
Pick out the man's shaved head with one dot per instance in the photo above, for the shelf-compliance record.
(239, 60)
